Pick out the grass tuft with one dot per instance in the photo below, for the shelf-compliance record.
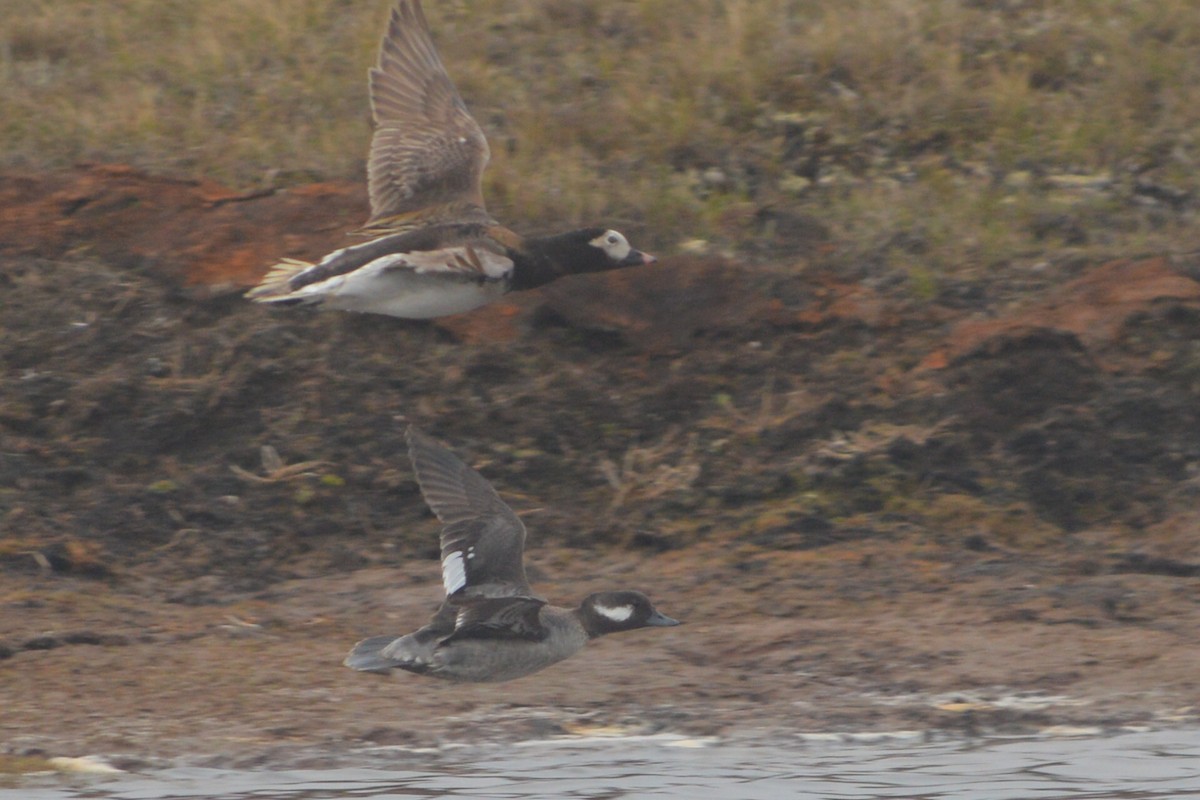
(669, 117)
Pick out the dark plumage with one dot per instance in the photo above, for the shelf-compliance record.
(491, 627)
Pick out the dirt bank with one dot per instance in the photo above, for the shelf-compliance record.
(873, 509)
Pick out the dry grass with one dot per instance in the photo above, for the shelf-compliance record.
(921, 133)
(645, 473)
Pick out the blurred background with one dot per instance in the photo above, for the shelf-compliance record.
(906, 420)
(944, 138)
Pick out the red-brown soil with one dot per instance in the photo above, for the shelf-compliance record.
(873, 510)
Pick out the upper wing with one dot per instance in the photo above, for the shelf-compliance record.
(462, 260)
(427, 150)
(499, 618)
(483, 540)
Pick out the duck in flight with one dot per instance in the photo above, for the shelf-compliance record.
(491, 627)
(434, 250)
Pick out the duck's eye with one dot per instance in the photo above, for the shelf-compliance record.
(612, 238)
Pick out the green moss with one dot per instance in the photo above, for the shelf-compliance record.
(923, 283)
(896, 116)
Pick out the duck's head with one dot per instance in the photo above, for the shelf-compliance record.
(610, 612)
(617, 250)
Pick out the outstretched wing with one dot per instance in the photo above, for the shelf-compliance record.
(483, 540)
(428, 153)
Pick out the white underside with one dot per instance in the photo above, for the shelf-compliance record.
(425, 303)
(400, 292)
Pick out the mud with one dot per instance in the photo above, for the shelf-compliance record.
(873, 509)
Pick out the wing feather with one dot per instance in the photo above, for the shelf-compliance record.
(427, 150)
(483, 540)
(499, 618)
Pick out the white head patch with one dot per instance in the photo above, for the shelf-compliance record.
(615, 613)
(454, 572)
(614, 245)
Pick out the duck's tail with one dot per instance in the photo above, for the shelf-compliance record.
(367, 655)
(274, 287)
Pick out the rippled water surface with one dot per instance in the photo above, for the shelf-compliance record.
(1162, 764)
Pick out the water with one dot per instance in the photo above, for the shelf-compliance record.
(1143, 765)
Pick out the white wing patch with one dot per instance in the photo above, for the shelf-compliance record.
(454, 569)
(616, 614)
(454, 572)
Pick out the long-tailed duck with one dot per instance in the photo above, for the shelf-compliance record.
(435, 249)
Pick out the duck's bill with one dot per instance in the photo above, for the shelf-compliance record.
(637, 258)
(660, 620)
